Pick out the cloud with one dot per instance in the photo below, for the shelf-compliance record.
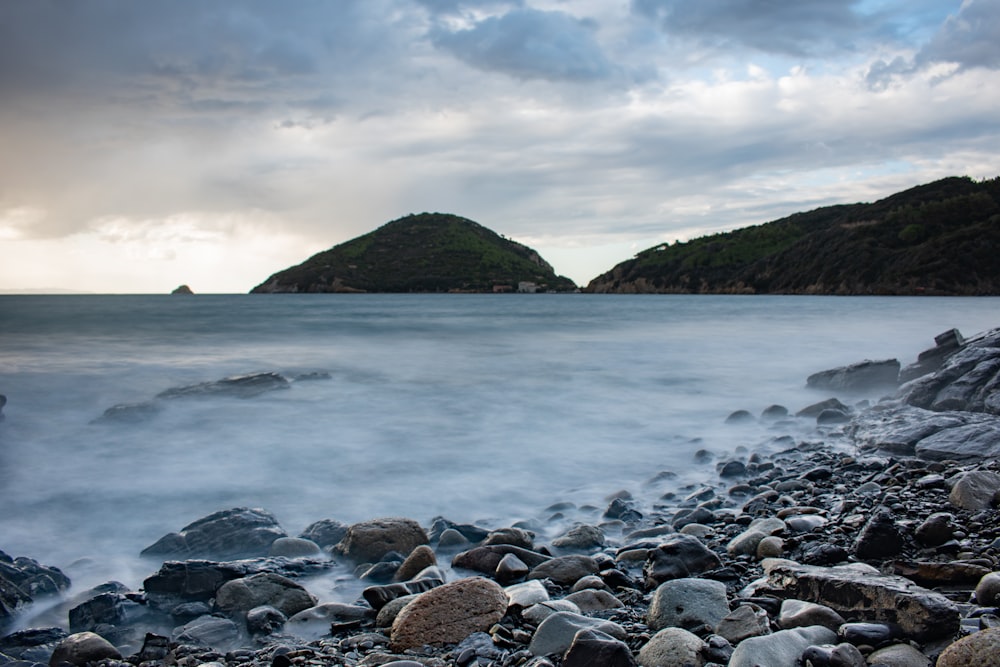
(971, 38)
(530, 44)
(788, 27)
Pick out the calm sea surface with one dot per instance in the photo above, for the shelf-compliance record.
(478, 408)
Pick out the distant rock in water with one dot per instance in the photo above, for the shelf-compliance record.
(183, 289)
(430, 252)
(3, 402)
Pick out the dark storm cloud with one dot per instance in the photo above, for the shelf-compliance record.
(530, 44)
(971, 38)
(788, 27)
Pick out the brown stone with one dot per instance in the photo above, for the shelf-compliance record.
(81, 648)
(369, 541)
(448, 614)
(981, 649)
(419, 560)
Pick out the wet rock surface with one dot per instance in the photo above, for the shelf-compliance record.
(872, 539)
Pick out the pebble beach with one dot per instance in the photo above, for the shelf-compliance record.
(872, 540)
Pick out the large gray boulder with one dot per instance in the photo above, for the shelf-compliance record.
(678, 557)
(687, 603)
(781, 649)
(241, 532)
(82, 648)
(860, 377)
(555, 634)
(239, 596)
(859, 591)
(969, 379)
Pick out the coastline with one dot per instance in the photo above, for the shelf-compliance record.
(852, 495)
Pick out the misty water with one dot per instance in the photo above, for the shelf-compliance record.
(479, 408)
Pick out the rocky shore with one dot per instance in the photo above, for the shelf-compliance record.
(875, 541)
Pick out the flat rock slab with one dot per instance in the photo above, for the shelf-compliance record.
(863, 376)
(932, 436)
(862, 594)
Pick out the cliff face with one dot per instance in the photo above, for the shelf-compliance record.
(430, 252)
(942, 238)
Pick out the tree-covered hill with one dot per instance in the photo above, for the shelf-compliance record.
(429, 252)
(941, 238)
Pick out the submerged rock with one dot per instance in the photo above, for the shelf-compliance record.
(863, 376)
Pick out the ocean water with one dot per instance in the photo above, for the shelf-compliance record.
(480, 408)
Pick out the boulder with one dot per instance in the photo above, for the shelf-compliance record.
(294, 547)
(240, 532)
(517, 537)
(449, 613)
(747, 620)
(592, 647)
(325, 532)
(22, 581)
(565, 570)
(975, 490)
(880, 538)
(265, 620)
(862, 592)
(580, 537)
(486, 559)
(369, 541)
(981, 649)
(988, 590)
(678, 557)
(672, 647)
(82, 648)
(781, 649)
(860, 377)
(215, 632)
(241, 595)
(556, 633)
(935, 530)
(421, 558)
(687, 603)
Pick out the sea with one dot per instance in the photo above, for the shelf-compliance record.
(482, 409)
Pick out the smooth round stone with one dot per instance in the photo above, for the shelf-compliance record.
(841, 655)
(511, 568)
(419, 560)
(899, 655)
(537, 613)
(294, 547)
(935, 530)
(525, 594)
(452, 539)
(804, 523)
(590, 581)
(770, 547)
(768, 525)
(265, 620)
(580, 537)
(593, 647)
(871, 634)
(555, 634)
(81, 648)
(589, 600)
(781, 649)
(981, 649)
(565, 570)
(799, 614)
(746, 543)
(988, 590)
(747, 620)
(672, 647)
(219, 633)
(698, 530)
(687, 603)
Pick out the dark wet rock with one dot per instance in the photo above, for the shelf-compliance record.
(114, 616)
(565, 570)
(936, 529)
(470, 532)
(486, 559)
(687, 603)
(860, 377)
(862, 592)
(739, 417)
(592, 647)
(421, 558)
(3, 402)
(966, 381)
(238, 386)
(325, 532)
(622, 510)
(831, 416)
(581, 536)
(816, 409)
(518, 537)
(679, 556)
(827, 655)
(747, 620)
(449, 613)
(590, 600)
(369, 541)
(869, 634)
(82, 648)
(880, 538)
(975, 490)
(930, 360)
(981, 649)
(511, 569)
(239, 596)
(800, 614)
(556, 633)
(130, 413)
(213, 631)
(31, 645)
(241, 532)
(824, 554)
(700, 515)
(781, 649)
(265, 620)
(379, 596)
(730, 469)
(774, 413)
(22, 581)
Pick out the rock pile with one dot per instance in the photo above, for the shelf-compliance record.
(865, 546)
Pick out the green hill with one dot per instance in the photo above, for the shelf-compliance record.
(942, 238)
(430, 252)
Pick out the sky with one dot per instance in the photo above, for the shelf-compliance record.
(144, 145)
